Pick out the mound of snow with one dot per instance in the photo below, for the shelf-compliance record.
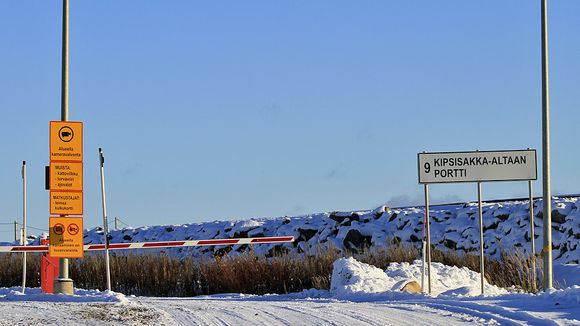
(350, 276)
(567, 295)
(80, 295)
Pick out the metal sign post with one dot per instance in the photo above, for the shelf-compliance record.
(532, 235)
(15, 231)
(481, 252)
(428, 228)
(105, 223)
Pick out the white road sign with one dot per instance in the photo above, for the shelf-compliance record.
(477, 166)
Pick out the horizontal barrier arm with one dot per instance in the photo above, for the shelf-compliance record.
(159, 244)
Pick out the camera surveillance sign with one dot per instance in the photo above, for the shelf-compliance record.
(478, 166)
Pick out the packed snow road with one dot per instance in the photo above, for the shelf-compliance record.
(277, 310)
(313, 307)
(303, 312)
(238, 311)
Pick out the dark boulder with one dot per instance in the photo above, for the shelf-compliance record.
(503, 217)
(557, 217)
(492, 226)
(414, 238)
(307, 234)
(346, 223)
(450, 244)
(337, 218)
(354, 240)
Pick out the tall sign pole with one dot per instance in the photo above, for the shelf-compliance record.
(63, 277)
(64, 80)
(546, 191)
(24, 225)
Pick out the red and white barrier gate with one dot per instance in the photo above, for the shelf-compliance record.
(160, 244)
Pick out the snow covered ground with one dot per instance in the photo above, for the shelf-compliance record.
(360, 295)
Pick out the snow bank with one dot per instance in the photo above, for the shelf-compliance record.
(569, 295)
(566, 275)
(350, 276)
(80, 295)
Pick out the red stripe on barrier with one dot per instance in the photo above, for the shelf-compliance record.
(95, 247)
(30, 248)
(117, 245)
(281, 239)
(111, 246)
(164, 244)
(218, 242)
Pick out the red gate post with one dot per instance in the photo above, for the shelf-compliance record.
(48, 270)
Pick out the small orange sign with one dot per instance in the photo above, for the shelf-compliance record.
(66, 237)
(66, 203)
(66, 176)
(66, 141)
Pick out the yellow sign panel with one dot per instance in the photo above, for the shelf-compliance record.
(66, 203)
(66, 141)
(66, 176)
(66, 237)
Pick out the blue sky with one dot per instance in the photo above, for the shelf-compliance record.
(239, 109)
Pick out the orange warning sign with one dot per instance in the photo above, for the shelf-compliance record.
(66, 141)
(66, 203)
(66, 176)
(66, 237)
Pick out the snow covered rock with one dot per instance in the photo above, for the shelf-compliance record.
(410, 287)
(453, 227)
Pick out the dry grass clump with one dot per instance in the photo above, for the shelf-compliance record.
(11, 269)
(512, 269)
(158, 274)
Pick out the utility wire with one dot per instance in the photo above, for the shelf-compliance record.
(35, 228)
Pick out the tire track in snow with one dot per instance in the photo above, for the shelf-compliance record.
(501, 315)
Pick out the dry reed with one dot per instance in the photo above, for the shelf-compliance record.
(159, 274)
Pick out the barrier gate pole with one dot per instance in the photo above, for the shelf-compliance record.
(105, 223)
